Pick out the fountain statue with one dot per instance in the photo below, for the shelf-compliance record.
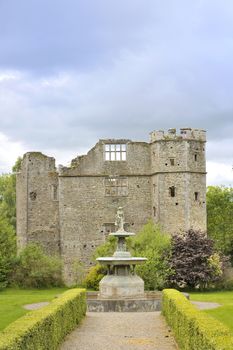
(121, 280)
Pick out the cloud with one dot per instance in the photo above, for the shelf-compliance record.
(9, 152)
(71, 74)
(219, 174)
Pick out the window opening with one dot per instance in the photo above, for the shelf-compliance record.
(33, 195)
(116, 186)
(54, 192)
(115, 152)
(172, 191)
(154, 211)
(195, 157)
(196, 196)
(154, 188)
(172, 161)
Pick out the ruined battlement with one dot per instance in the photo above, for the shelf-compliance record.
(38, 160)
(184, 134)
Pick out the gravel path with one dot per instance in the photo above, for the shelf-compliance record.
(121, 331)
(204, 305)
(36, 306)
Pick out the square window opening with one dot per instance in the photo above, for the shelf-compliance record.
(115, 152)
(172, 161)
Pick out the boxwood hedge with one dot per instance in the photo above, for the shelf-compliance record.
(46, 328)
(192, 328)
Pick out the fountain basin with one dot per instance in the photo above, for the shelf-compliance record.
(122, 234)
(121, 260)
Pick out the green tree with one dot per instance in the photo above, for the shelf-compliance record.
(8, 199)
(8, 195)
(7, 252)
(220, 217)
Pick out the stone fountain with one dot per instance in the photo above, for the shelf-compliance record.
(121, 280)
(121, 289)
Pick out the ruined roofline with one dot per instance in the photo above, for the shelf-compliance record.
(36, 155)
(114, 141)
(184, 134)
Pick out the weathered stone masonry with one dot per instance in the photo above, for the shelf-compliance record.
(70, 211)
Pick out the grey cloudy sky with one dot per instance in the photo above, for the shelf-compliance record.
(74, 71)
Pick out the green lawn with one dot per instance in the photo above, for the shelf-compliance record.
(12, 300)
(223, 313)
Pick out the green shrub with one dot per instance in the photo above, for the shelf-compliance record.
(94, 276)
(192, 328)
(154, 245)
(45, 329)
(106, 249)
(36, 269)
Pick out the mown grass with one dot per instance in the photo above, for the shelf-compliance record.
(224, 313)
(12, 301)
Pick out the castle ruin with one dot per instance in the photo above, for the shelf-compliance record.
(71, 210)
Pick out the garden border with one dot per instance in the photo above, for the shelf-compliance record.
(192, 328)
(46, 328)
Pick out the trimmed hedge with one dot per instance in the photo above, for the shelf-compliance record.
(192, 328)
(46, 328)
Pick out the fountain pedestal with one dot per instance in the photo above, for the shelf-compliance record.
(121, 280)
(121, 286)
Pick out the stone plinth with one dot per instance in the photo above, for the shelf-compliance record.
(121, 286)
(150, 301)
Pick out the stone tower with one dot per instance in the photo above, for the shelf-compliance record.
(37, 202)
(70, 211)
(178, 171)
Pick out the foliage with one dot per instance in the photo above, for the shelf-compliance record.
(8, 194)
(35, 269)
(224, 313)
(7, 252)
(192, 328)
(193, 260)
(106, 249)
(155, 245)
(18, 164)
(13, 299)
(7, 224)
(220, 218)
(94, 276)
(47, 327)
(8, 199)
